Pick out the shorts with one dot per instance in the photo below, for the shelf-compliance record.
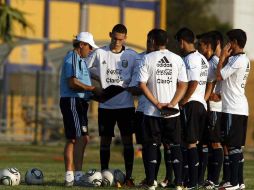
(138, 128)
(214, 126)
(194, 123)
(234, 127)
(124, 117)
(161, 130)
(74, 111)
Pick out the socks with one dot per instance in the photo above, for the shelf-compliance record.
(69, 176)
(128, 159)
(158, 163)
(226, 169)
(185, 166)
(104, 156)
(240, 173)
(151, 153)
(234, 158)
(168, 164)
(193, 166)
(203, 160)
(176, 160)
(217, 160)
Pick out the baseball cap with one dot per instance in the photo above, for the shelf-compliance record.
(87, 38)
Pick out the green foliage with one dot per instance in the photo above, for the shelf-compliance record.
(194, 14)
(8, 16)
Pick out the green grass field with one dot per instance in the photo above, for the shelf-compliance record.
(50, 160)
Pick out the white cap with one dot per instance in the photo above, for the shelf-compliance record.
(87, 38)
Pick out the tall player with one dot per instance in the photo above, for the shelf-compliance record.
(233, 69)
(194, 106)
(75, 89)
(163, 80)
(113, 65)
(207, 46)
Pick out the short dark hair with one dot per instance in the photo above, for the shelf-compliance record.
(239, 35)
(159, 36)
(119, 28)
(185, 34)
(208, 38)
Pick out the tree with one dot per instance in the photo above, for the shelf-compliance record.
(8, 16)
(194, 14)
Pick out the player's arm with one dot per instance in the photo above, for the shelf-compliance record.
(150, 96)
(209, 89)
(180, 91)
(75, 84)
(225, 53)
(192, 85)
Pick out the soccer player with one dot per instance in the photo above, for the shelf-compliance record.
(207, 44)
(194, 106)
(233, 69)
(113, 65)
(75, 89)
(163, 80)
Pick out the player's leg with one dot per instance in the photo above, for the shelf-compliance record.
(191, 138)
(151, 145)
(70, 134)
(124, 121)
(82, 137)
(171, 134)
(107, 121)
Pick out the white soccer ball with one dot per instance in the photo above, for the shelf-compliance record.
(10, 176)
(107, 178)
(94, 177)
(119, 176)
(34, 176)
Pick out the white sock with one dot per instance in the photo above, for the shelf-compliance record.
(69, 176)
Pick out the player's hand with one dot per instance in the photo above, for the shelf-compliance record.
(182, 102)
(161, 105)
(215, 97)
(226, 51)
(97, 91)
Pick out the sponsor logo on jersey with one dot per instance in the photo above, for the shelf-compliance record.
(124, 63)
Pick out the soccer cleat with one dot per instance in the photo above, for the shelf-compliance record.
(148, 187)
(68, 183)
(118, 185)
(242, 186)
(179, 188)
(230, 187)
(164, 183)
(209, 185)
(129, 182)
(143, 182)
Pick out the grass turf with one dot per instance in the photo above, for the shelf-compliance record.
(50, 160)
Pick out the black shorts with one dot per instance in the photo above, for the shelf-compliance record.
(234, 128)
(161, 130)
(139, 119)
(214, 126)
(124, 117)
(74, 111)
(194, 123)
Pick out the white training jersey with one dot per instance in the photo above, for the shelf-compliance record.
(213, 62)
(161, 70)
(197, 70)
(114, 69)
(235, 74)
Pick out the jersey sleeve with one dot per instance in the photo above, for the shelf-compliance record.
(211, 72)
(135, 72)
(143, 75)
(93, 63)
(182, 75)
(231, 67)
(71, 66)
(193, 68)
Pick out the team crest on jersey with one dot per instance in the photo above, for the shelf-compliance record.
(104, 62)
(125, 63)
